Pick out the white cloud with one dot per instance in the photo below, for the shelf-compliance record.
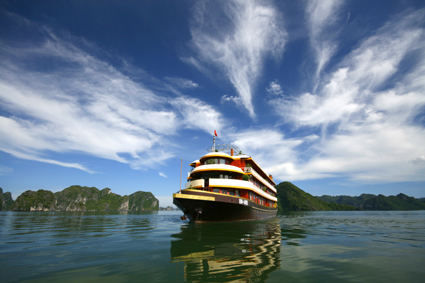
(275, 89)
(4, 170)
(82, 104)
(276, 154)
(352, 86)
(182, 83)
(237, 38)
(34, 157)
(162, 175)
(367, 122)
(197, 114)
(198, 65)
(92, 108)
(235, 99)
(322, 16)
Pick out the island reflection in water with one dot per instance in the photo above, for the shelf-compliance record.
(228, 252)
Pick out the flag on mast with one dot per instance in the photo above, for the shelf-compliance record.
(215, 133)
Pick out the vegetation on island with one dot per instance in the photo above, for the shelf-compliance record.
(139, 200)
(40, 200)
(78, 198)
(380, 202)
(292, 198)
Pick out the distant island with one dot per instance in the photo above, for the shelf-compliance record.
(379, 202)
(78, 198)
(290, 198)
(168, 208)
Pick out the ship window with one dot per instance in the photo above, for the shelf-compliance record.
(216, 161)
(237, 193)
(216, 190)
(231, 192)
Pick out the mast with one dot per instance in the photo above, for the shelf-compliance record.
(213, 144)
(181, 168)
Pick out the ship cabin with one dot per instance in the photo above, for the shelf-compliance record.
(238, 176)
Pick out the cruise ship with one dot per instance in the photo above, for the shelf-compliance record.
(226, 187)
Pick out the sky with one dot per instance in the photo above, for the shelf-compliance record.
(329, 95)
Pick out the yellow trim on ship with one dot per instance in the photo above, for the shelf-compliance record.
(212, 193)
(218, 169)
(193, 197)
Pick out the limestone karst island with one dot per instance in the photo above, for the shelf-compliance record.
(78, 198)
(290, 198)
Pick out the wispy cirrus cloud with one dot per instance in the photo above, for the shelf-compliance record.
(322, 16)
(182, 83)
(359, 77)
(368, 110)
(198, 114)
(236, 38)
(58, 98)
(279, 155)
(4, 170)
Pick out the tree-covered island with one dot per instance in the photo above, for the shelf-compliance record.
(290, 198)
(78, 198)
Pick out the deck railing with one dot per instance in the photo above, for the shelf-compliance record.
(195, 184)
(229, 183)
(258, 176)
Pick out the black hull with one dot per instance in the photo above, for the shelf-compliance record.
(222, 208)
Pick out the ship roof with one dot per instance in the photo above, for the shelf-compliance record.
(242, 156)
(216, 154)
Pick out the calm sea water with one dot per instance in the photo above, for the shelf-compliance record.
(159, 247)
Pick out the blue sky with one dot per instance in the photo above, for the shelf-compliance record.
(329, 95)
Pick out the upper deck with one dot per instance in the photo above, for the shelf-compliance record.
(239, 165)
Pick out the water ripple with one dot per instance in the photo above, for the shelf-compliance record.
(159, 247)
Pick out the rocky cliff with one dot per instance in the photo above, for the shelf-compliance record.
(78, 198)
(6, 201)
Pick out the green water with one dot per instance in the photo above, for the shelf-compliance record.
(159, 247)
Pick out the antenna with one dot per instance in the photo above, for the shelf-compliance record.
(226, 148)
(181, 168)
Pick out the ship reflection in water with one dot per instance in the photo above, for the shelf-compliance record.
(228, 252)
